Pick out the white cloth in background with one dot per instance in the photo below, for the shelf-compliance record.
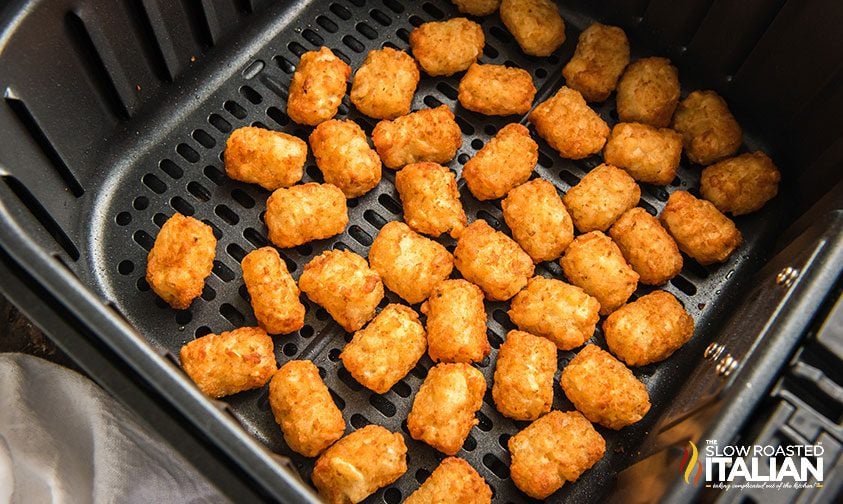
(65, 440)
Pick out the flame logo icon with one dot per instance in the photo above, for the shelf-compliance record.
(690, 462)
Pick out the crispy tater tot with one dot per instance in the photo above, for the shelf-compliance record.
(447, 47)
(648, 92)
(431, 200)
(598, 62)
(387, 349)
(181, 260)
(305, 213)
(560, 312)
(454, 481)
(699, 228)
(270, 159)
(709, 130)
(742, 184)
(274, 294)
(555, 449)
(477, 7)
(647, 246)
(385, 83)
(360, 463)
(594, 263)
(230, 362)
(603, 389)
(539, 221)
(648, 154)
(318, 87)
(409, 264)
(492, 261)
(345, 158)
(503, 163)
(444, 408)
(523, 388)
(342, 282)
(496, 90)
(569, 125)
(649, 329)
(456, 323)
(304, 409)
(602, 196)
(430, 135)
(536, 25)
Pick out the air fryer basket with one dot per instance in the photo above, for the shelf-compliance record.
(162, 153)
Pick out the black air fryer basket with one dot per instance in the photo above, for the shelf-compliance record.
(115, 116)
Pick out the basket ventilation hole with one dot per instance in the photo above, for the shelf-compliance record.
(432, 101)
(279, 117)
(255, 237)
(296, 48)
(235, 109)
(227, 215)
(250, 94)
(334, 354)
(349, 380)
(244, 293)
(383, 405)
(126, 267)
(490, 51)
(187, 152)
(545, 160)
(374, 218)
(495, 465)
(306, 250)
(154, 183)
(353, 44)
(235, 251)
(243, 199)
(648, 207)
(359, 421)
(367, 31)
(477, 144)
(313, 37)
(503, 440)
(217, 231)
(361, 236)
(142, 285)
(204, 139)
(394, 6)
(285, 64)
(422, 475)
(337, 399)
(569, 178)
(183, 317)
(290, 349)
(416, 21)
(314, 174)
(340, 246)
(202, 331)
(494, 340)
(123, 218)
(485, 422)
(500, 34)
(403, 34)
(219, 123)
(380, 17)
(171, 168)
(340, 11)
(140, 203)
(306, 331)
(684, 285)
(208, 293)
(402, 389)
(214, 174)
(159, 219)
(223, 272)
(464, 125)
(389, 203)
(326, 23)
(232, 314)
(198, 191)
(470, 443)
(181, 206)
(489, 218)
(392, 496)
(143, 239)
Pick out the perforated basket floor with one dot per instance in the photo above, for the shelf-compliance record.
(181, 170)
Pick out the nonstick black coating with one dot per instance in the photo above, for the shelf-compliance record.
(183, 172)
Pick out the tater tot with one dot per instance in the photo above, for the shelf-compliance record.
(456, 323)
(539, 221)
(598, 62)
(430, 135)
(503, 163)
(603, 389)
(385, 83)
(360, 463)
(453, 481)
(304, 409)
(345, 158)
(649, 329)
(562, 313)
(181, 260)
(523, 388)
(569, 125)
(230, 362)
(648, 154)
(709, 130)
(555, 449)
(699, 228)
(409, 264)
(496, 90)
(602, 196)
(742, 184)
(342, 282)
(305, 213)
(431, 200)
(387, 349)
(477, 7)
(270, 159)
(647, 246)
(444, 408)
(274, 294)
(594, 263)
(536, 25)
(492, 261)
(318, 87)
(648, 92)
(447, 47)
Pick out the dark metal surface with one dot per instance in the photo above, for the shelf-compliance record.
(150, 155)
